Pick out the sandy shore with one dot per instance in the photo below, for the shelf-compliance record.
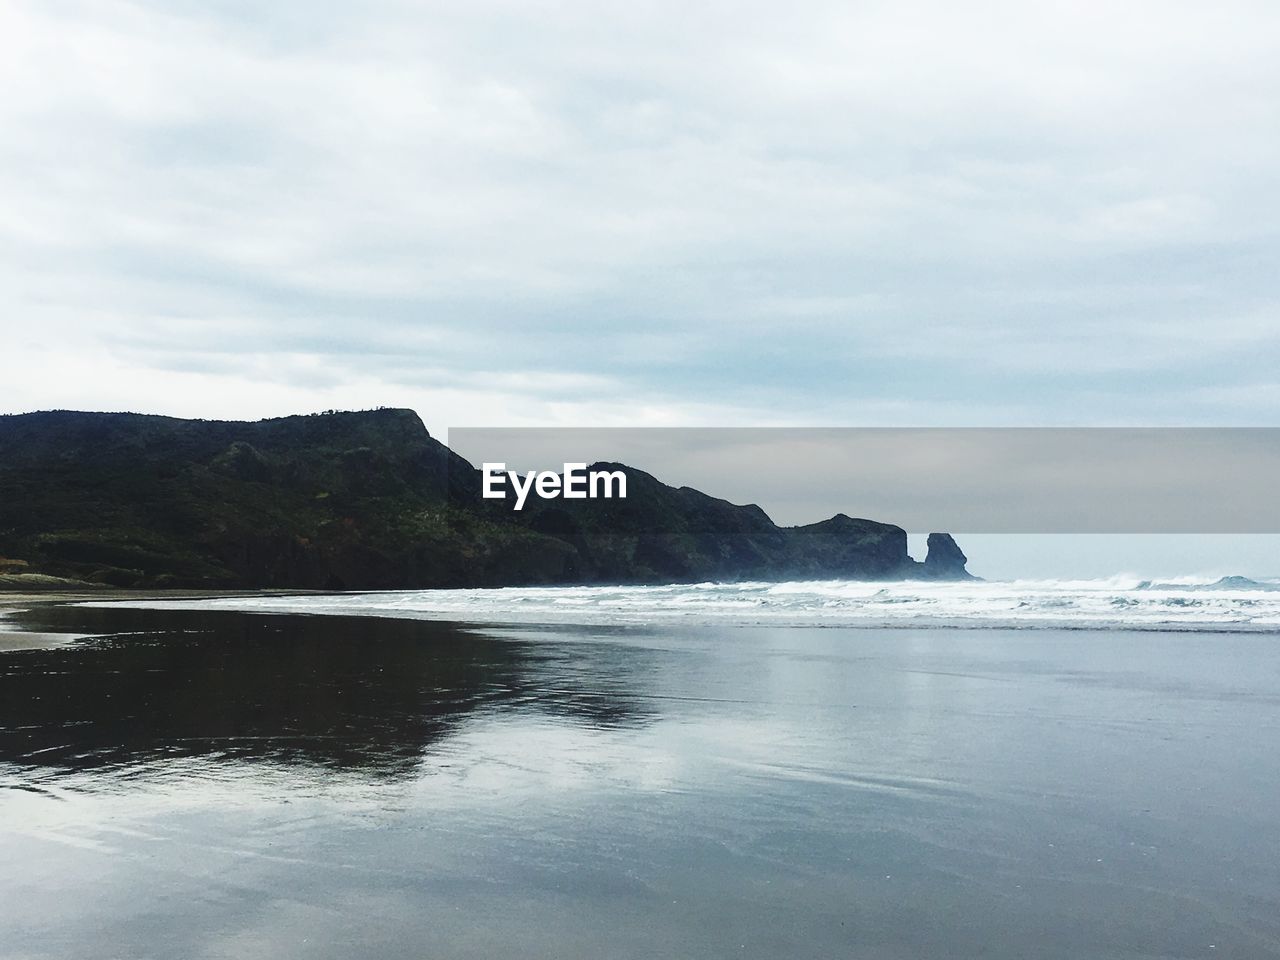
(13, 637)
(17, 599)
(14, 600)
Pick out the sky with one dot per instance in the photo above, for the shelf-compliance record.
(593, 213)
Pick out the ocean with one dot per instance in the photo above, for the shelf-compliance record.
(1082, 769)
(1121, 602)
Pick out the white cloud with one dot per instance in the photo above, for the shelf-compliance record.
(916, 206)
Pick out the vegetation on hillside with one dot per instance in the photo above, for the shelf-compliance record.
(362, 500)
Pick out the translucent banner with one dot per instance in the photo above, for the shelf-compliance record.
(977, 480)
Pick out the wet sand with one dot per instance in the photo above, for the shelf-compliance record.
(216, 784)
(13, 636)
(16, 601)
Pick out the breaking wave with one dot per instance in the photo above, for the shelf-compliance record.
(1122, 602)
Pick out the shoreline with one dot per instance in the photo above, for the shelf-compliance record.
(14, 637)
(23, 627)
(16, 600)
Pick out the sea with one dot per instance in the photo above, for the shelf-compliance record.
(1048, 769)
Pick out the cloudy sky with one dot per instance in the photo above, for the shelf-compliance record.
(899, 213)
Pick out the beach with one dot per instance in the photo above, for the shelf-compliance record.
(225, 783)
(17, 597)
(27, 593)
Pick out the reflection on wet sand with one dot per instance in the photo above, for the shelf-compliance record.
(218, 785)
(346, 693)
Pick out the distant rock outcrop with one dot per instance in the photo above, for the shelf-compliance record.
(945, 560)
(370, 500)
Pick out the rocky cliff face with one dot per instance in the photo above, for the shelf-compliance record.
(945, 560)
(371, 500)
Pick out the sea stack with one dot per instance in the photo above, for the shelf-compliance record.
(945, 560)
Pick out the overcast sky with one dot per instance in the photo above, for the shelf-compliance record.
(583, 213)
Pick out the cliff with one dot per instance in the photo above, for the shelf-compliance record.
(370, 500)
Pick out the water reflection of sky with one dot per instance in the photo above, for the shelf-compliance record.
(218, 784)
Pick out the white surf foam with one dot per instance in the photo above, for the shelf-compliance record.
(1122, 602)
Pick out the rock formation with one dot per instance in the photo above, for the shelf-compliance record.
(371, 500)
(945, 560)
